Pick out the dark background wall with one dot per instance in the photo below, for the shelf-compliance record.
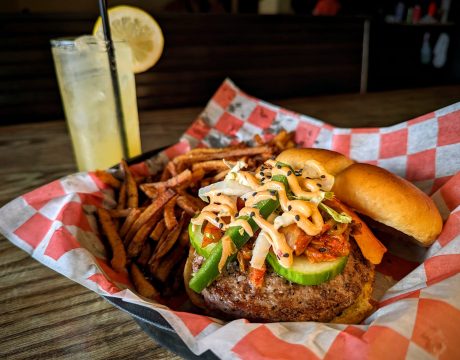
(272, 56)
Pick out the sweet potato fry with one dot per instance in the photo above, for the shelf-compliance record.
(220, 176)
(162, 271)
(122, 196)
(131, 186)
(184, 238)
(108, 178)
(185, 204)
(165, 175)
(119, 213)
(150, 191)
(142, 285)
(172, 168)
(258, 139)
(154, 207)
(129, 221)
(159, 229)
(191, 158)
(118, 251)
(135, 245)
(164, 246)
(197, 175)
(211, 165)
(145, 254)
(168, 213)
(178, 180)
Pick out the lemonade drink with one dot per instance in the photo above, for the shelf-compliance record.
(83, 73)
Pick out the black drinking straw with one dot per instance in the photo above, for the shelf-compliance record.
(114, 76)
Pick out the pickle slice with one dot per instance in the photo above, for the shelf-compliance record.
(304, 272)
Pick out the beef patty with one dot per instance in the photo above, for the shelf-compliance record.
(280, 300)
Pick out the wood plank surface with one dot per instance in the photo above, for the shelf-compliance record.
(43, 314)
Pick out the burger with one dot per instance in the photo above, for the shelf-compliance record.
(289, 243)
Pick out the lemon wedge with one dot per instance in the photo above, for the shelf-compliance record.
(139, 30)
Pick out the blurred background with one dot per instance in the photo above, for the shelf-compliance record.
(273, 49)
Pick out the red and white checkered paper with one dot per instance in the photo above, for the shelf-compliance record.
(418, 317)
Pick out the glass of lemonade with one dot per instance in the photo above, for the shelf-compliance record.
(83, 74)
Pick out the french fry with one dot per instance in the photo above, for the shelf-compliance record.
(164, 246)
(119, 213)
(135, 245)
(145, 254)
(185, 204)
(151, 192)
(129, 221)
(154, 207)
(197, 175)
(197, 202)
(163, 269)
(180, 179)
(131, 186)
(142, 285)
(211, 165)
(165, 175)
(122, 196)
(220, 176)
(160, 227)
(184, 238)
(108, 178)
(258, 139)
(172, 168)
(168, 213)
(191, 158)
(118, 261)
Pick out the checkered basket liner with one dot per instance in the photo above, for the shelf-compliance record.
(418, 317)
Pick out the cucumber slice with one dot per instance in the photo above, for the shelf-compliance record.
(196, 239)
(304, 272)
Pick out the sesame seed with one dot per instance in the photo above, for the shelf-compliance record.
(263, 179)
(297, 217)
(286, 255)
(321, 249)
(289, 173)
(289, 208)
(221, 226)
(252, 214)
(217, 219)
(269, 176)
(237, 214)
(278, 166)
(219, 194)
(319, 185)
(254, 193)
(323, 176)
(261, 173)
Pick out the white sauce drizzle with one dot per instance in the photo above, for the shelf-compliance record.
(303, 213)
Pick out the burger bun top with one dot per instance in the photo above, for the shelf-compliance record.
(376, 193)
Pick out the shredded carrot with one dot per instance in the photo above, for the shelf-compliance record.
(372, 249)
(256, 276)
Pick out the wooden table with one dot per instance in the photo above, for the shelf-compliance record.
(45, 315)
